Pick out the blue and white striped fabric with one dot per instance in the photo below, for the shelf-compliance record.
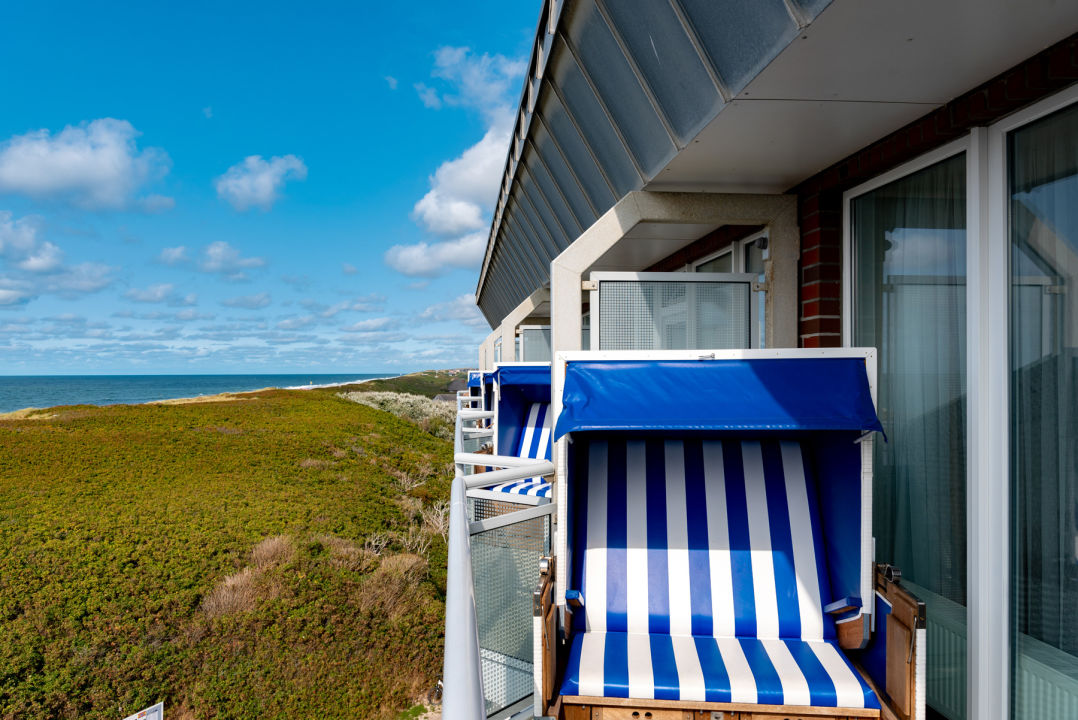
(535, 444)
(702, 570)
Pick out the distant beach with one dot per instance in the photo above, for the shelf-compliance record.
(42, 391)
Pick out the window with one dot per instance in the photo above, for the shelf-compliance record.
(992, 427)
(908, 240)
(742, 256)
(1042, 182)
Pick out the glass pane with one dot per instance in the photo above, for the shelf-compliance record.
(1044, 415)
(812, 8)
(563, 176)
(909, 243)
(505, 569)
(741, 37)
(577, 153)
(669, 63)
(536, 344)
(594, 123)
(673, 315)
(621, 91)
(722, 264)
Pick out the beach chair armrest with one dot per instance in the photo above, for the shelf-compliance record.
(842, 606)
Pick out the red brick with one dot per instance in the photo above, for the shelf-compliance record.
(825, 306)
(821, 271)
(817, 340)
(818, 290)
(814, 326)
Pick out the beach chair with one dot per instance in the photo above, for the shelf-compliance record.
(715, 551)
(521, 433)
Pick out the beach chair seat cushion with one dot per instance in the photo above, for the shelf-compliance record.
(710, 669)
(535, 487)
(704, 555)
(535, 444)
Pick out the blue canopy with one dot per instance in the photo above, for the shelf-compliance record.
(488, 377)
(474, 378)
(762, 394)
(523, 375)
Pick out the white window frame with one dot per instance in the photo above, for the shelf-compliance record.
(737, 265)
(988, 520)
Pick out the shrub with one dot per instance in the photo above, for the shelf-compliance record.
(434, 416)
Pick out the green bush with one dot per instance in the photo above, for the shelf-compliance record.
(215, 556)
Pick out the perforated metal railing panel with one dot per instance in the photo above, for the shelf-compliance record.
(674, 315)
(505, 564)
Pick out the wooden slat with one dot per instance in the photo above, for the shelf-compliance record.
(782, 710)
(907, 615)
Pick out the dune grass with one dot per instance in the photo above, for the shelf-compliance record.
(260, 557)
(427, 383)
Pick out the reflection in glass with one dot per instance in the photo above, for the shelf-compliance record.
(909, 294)
(722, 264)
(1043, 182)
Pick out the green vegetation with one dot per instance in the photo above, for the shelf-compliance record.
(435, 416)
(277, 555)
(427, 383)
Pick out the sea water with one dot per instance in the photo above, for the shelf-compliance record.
(17, 392)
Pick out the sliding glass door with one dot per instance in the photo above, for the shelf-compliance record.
(908, 252)
(1043, 236)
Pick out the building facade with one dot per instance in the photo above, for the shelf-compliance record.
(902, 176)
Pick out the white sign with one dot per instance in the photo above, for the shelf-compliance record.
(157, 712)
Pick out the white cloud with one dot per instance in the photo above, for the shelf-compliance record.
(373, 324)
(36, 266)
(349, 269)
(482, 82)
(295, 323)
(207, 112)
(433, 259)
(391, 82)
(428, 96)
(94, 165)
(155, 204)
(161, 293)
(365, 303)
(12, 295)
(220, 257)
(461, 309)
(463, 190)
(254, 182)
(173, 255)
(248, 302)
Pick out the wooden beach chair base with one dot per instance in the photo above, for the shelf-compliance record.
(597, 708)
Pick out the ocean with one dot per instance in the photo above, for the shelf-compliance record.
(18, 392)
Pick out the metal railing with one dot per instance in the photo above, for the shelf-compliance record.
(495, 547)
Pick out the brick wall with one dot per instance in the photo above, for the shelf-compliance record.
(820, 197)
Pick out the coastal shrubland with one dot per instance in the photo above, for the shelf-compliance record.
(278, 554)
(435, 416)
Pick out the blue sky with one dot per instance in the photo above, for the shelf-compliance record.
(250, 187)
